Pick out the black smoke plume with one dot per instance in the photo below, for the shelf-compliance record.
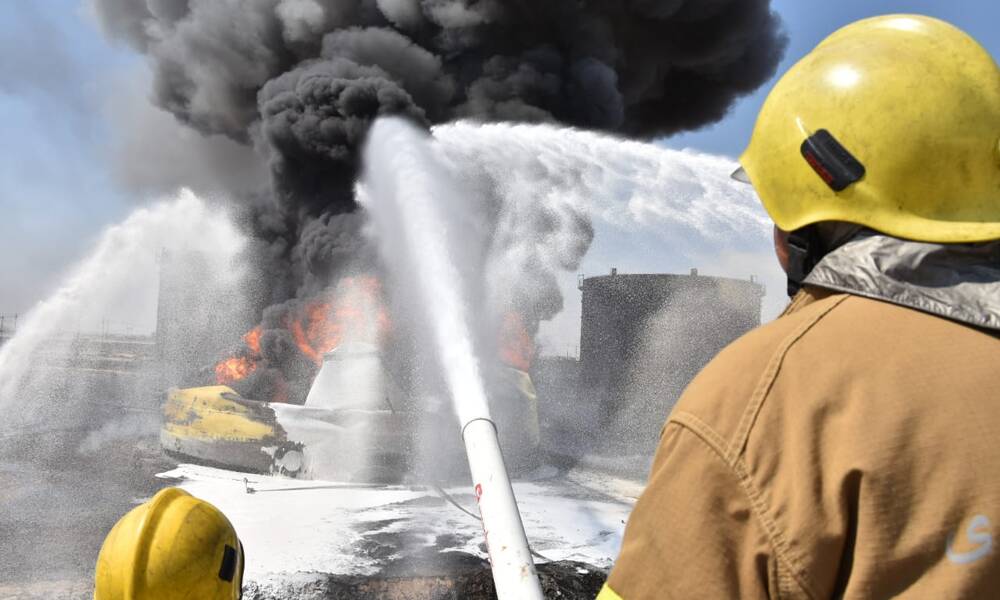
(302, 80)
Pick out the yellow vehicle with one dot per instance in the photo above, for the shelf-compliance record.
(217, 426)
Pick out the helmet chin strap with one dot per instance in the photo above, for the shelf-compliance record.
(805, 250)
(808, 245)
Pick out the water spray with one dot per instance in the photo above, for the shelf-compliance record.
(428, 232)
(117, 276)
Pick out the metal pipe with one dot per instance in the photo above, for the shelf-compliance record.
(513, 570)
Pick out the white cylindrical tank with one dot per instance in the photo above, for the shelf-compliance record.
(352, 377)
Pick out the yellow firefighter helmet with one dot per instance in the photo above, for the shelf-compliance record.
(893, 123)
(174, 546)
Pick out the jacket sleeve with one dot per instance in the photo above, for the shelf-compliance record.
(693, 533)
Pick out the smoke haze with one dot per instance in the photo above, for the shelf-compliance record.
(299, 83)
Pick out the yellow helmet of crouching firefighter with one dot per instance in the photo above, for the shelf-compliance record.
(891, 122)
(174, 546)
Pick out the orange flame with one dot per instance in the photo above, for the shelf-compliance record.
(516, 346)
(252, 339)
(234, 369)
(314, 330)
(355, 311)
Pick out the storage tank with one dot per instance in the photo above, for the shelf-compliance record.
(644, 337)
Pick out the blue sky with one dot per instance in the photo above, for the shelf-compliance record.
(809, 21)
(59, 76)
(56, 186)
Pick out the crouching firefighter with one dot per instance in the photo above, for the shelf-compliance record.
(173, 547)
(851, 448)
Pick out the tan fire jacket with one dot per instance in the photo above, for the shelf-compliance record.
(849, 449)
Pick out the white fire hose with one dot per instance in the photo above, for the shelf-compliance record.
(513, 570)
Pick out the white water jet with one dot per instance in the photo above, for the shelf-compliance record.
(119, 280)
(633, 186)
(432, 236)
(653, 209)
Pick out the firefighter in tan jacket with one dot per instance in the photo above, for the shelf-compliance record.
(851, 448)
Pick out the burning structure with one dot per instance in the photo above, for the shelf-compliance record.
(341, 406)
(351, 312)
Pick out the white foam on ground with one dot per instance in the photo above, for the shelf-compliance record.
(291, 527)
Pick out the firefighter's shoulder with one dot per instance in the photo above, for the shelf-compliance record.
(739, 377)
